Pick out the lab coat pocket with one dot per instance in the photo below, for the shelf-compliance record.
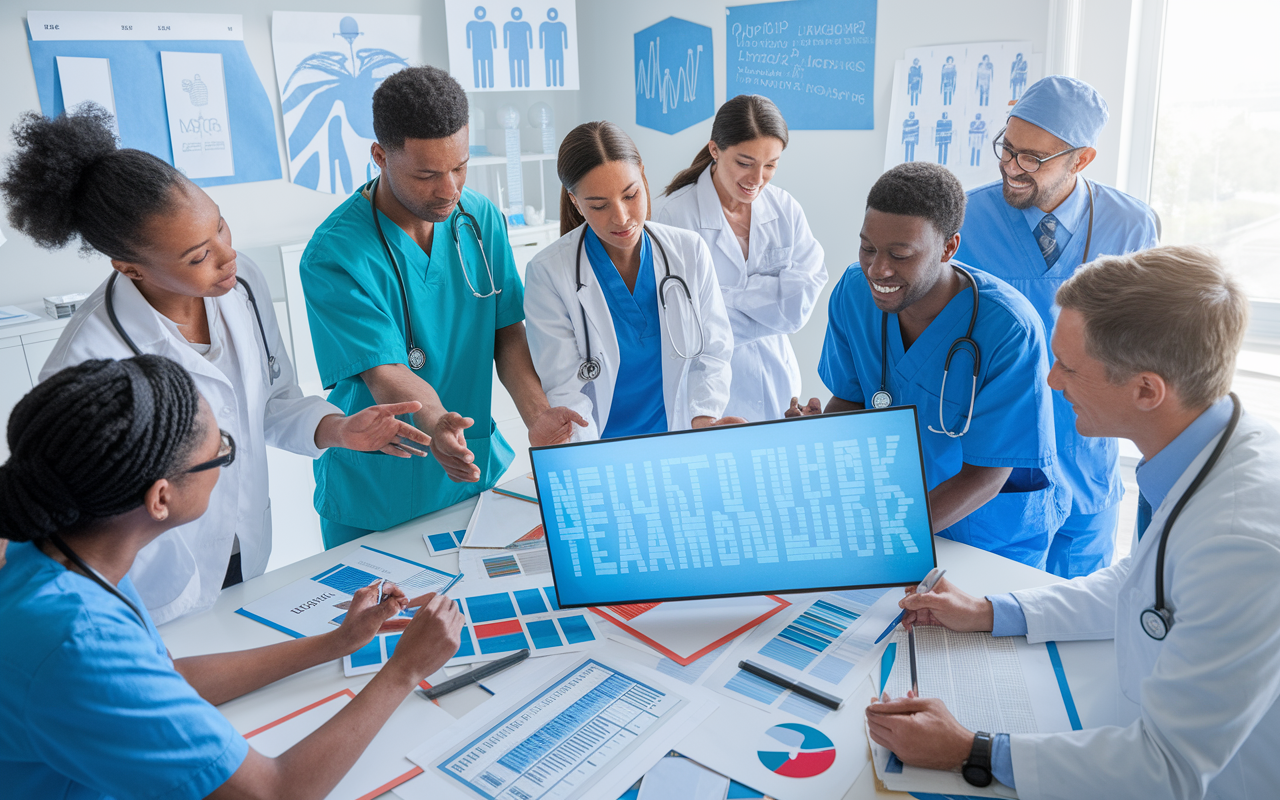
(773, 261)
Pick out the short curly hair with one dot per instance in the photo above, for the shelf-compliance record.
(921, 189)
(418, 103)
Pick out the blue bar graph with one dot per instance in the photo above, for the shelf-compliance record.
(576, 630)
(465, 646)
(368, 655)
(808, 635)
(757, 689)
(565, 724)
(502, 644)
(490, 607)
(347, 580)
(544, 634)
(530, 601)
(442, 541)
(550, 592)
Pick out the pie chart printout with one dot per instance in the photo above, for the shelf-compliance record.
(796, 751)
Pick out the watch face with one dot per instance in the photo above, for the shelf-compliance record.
(976, 775)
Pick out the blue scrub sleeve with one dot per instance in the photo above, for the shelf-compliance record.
(1002, 760)
(1008, 618)
(108, 710)
(837, 366)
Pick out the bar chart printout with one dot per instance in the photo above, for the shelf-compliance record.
(555, 745)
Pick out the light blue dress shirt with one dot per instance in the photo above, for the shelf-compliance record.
(1155, 478)
(1070, 214)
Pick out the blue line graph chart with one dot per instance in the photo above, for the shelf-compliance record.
(675, 75)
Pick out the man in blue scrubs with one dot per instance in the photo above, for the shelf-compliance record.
(1032, 228)
(988, 442)
(418, 300)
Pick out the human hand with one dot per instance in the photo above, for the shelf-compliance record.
(376, 428)
(431, 638)
(449, 446)
(946, 606)
(711, 422)
(365, 615)
(554, 426)
(813, 407)
(920, 731)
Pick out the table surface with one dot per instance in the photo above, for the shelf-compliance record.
(1089, 665)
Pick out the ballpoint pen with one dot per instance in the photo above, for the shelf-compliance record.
(926, 585)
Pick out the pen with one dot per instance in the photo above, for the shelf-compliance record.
(911, 649)
(816, 695)
(453, 583)
(474, 676)
(926, 585)
(380, 583)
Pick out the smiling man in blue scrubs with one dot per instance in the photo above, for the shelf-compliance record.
(1032, 228)
(412, 293)
(988, 442)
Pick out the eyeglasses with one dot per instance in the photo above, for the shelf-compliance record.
(226, 454)
(1026, 161)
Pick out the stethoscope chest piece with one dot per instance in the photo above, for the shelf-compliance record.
(881, 399)
(417, 358)
(589, 370)
(273, 368)
(1156, 622)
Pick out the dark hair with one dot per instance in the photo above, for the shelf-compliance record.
(90, 441)
(741, 119)
(921, 189)
(67, 177)
(418, 103)
(586, 147)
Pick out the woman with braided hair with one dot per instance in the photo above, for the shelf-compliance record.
(105, 457)
(180, 290)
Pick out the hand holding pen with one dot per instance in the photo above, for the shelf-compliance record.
(947, 606)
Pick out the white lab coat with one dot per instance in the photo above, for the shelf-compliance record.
(553, 309)
(768, 295)
(1198, 711)
(182, 571)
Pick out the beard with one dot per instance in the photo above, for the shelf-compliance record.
(1038, 194)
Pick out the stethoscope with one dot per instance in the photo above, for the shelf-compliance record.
(94, 575)
(590, 368)
(1157, 620)
(418, 358)
(273, 368)
(882, 398)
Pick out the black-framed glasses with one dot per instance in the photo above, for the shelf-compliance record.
(226, 454)
(1026, 161)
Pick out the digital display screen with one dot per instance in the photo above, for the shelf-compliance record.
(835, 501)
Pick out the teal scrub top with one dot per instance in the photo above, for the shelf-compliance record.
(641, 408)
(357, 323)
(1012, 422)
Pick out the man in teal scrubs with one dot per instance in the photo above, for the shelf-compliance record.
(417, 301)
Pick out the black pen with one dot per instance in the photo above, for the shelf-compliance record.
(816, 695)
(476, 675)
(911, 650)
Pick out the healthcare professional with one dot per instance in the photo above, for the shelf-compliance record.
(413, 296)
(626, 323)
(180, 290)
(1193, 609)
(105, 458)
(1034, 228)
(769, 266)
(912, 326)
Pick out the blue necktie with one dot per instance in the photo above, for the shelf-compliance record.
(1046, 237)
(1144, 515)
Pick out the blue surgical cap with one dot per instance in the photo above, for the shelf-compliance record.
(1068, 108)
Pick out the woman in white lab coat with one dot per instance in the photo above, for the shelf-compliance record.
(625, 321)
(770, 267)
(180, 290)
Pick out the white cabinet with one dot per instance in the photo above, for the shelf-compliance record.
(37, 347)
(15, 382)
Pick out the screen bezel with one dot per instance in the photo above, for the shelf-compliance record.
(790, 420)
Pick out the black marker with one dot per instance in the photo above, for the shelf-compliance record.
(474, 676)
(816, 695)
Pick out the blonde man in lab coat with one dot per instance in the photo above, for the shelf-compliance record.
(769, 266)
(1199, 671)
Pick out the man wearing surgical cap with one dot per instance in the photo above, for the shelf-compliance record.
(1034, 228)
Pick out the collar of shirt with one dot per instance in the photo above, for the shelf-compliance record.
(1158, 475)
(1069, 213)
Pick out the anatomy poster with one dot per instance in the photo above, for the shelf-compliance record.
(949, 103)
(512, 45)
(327, 68)
(195, 96)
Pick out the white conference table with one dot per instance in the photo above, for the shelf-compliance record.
(1088, 665)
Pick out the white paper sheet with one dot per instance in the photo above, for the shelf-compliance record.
(682, 779)
(500, 565)
(195, 94)
(499, 520)
(683, 628)
(87, 80)
(12, 315)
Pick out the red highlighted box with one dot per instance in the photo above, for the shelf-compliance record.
(492, 629)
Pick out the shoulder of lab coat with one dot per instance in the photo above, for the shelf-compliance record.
(1208, 715)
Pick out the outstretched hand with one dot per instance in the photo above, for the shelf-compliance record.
(377, 428)
(449, 446)
(808, 410)
(554, 426)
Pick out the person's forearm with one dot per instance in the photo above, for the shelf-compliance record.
(515, 369)
(965, 492)
(396, 383)
(220, 677)
(837, 404)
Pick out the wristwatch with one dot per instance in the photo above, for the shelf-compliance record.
(977, 770)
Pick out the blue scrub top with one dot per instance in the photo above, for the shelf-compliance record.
(1012, 422)
(90, 704)
(357, 322)
(640, 408)
(997, 239)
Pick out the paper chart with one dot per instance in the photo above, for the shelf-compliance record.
(525, 615)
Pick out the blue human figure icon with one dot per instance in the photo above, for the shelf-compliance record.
(986, 72)
(915, 81)
(553, 38)
(948, 80)
(977, 138)
(1018, 77)
(482, 38)
(517, 37)
(942, 137)
(910, 136)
